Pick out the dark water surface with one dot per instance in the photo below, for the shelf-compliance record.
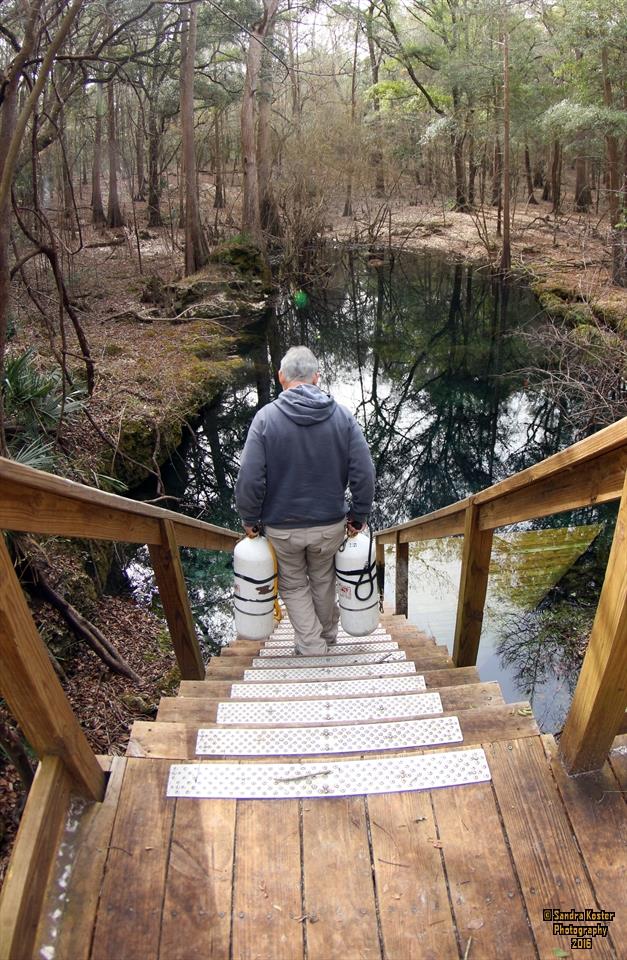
(427, 354)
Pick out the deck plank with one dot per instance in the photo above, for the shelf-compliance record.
(221, 689)
(485, 897)
(267, 901)
(177, 741)
(203, 710)
(225, 668)
(196, 920)
(549, 867)
(92, 845)
(411, 886)
(129, 916)
(597, 812)
(338, 886)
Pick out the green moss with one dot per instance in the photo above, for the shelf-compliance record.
(168, 684)
(139, 704)
(113, 350)
(242, 254)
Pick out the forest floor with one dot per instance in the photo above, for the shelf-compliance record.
(156, 365)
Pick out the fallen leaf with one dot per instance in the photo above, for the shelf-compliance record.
(474, 924)
(558, 952)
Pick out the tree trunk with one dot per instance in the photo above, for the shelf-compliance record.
(376, 157)
(154, 172)
(251, 212)
(140, 145)
(531, 199)
(269, 212)
(506, 251)
(219, 201)
(611, 145)
(292, 50)
(472, 168)
(114, 214)
(97, 210)
(497, 173)
(7, 128)
(196, 252)
(617, 235)
(461, 202)
(556, 177)
(583, 194)
(348, 202)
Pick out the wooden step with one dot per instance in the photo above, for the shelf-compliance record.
(348, 649)
(203, 710)
(332, 660)
(329, 778)
(224, 689)
(250, 648)
(177, 740)
(283, 690)
(328, 709)
(230, 670)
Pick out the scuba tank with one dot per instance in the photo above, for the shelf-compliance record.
(255, 589)
(355, 569)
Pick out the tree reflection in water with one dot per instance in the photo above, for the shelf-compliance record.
(426, 354)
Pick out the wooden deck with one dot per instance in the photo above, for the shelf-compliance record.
(457, 872)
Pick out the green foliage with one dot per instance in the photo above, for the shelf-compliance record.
(35, 399)
(568, 119)
(34, 405)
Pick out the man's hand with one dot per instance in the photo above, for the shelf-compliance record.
(251, 532)
(353, 528)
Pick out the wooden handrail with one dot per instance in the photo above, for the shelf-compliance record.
(32, 501)
(589, 472)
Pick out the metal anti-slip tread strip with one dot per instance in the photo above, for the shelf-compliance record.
(335, 651)
(341, 641)
(336, 671)
(299, 741)
(328, 778)
(393, 706)
(381, 656)
(328, 688)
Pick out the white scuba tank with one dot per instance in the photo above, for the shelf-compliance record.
(355, 569)
(255, 587)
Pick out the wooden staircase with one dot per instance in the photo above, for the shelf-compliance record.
(462, 871)
(157, 856)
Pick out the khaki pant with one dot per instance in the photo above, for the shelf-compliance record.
(306, 558)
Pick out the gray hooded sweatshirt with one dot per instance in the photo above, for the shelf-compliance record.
(302, 452)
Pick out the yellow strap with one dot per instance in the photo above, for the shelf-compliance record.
(278, 616)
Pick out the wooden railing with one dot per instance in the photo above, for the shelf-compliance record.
(590, 472)
(36, 502)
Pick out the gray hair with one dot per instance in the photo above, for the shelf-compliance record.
(299, 363)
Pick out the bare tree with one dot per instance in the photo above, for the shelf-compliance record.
(251, 208)
(196, 252)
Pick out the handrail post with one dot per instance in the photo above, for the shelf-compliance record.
(473, 586)
(600, 698)
(166, 561)
(35, 697)
(402, 577)
(380, 563)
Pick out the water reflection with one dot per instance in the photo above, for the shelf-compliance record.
(426, 354)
